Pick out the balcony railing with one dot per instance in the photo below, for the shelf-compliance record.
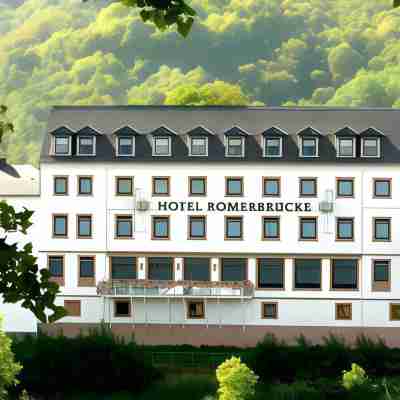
(152, 288)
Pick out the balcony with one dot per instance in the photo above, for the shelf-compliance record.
(142, 288)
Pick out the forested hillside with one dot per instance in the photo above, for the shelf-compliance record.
(273, 52)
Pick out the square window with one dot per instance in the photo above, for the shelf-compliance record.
(273, 147)
(123, 228)
(270, 274)
(197, 227)
(86, 267)
(161, 268)
(73, 308)
(123, 267)
(308, 187)
(309, 147)
(269, 310)
(198, 146)
(233, 228)
(308, 228)
(343, 311)
(344, 229)
(84, 223)
(61, 145)
(234, 186)
(271, 228)
(233, 269)
(122, 308)
(56, 266)
(85, 145)
(370, 147)
(196, 269)
(344, 274)
(60, 226)
(162, 146)
(272, 187)
(161, 186)
(60, 185)
(307, 274)
(235, 147)
(345, 187)
(197, 186)
(394, 312)
(382, 188)
(381, 229)
(125, 146)
(195, 309)
(160, 227)
(346, 147)
(85, 185)
(124, 186)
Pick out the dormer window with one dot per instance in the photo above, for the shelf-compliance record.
(161, 146)
(62, 145)
(309, 147)
(370, 147)
(125, 146)
(235, 142)
(86, 145)
(345, 147)
(198, 146)
(273, 147)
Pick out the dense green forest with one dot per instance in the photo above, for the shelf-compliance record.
(273, 52)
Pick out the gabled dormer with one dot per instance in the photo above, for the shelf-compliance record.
(125, 141)
(346, 139)
(308, 142)
(273, 142)
(197, 141)
(162, 142)
(86, 141)
(61, 141)
(235, 142)
(371, 143)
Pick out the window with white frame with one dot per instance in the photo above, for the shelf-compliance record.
(234, 146)
(198, 146)
(309, 147)
(273, 147)
(86, 145)
(370, 147)
(62, 145)
(161, 146)
(345, 147)
(125, 146)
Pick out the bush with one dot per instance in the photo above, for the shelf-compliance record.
(96, 362)
(355, 377)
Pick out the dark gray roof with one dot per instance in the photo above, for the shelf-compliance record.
(177, 121)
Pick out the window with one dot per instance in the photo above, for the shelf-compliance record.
(84, 226)
(270, 273)
(86, 145)
(272, 187)
(123, 267)
(160, 228)
(60, 185)
(233, 186)
(195, 309)
(370, 147)
(233, 228)
(234, 147)
(308, 228)
(60, 225)
(233, 269)
(345, 147)
(196, 269)
(86, 271)
(307, 274)
(61, 146)
(380, 275)
(123, 226)
(345, 229)
(309, 147)
(269, 310)
(124, 186)
(382, 188)
(122, 308)
(343, 311)
(273, 147)
(271, 228)
(125, 146)
(198, 146)
(394, 312)
(73, 308)
(160, 185)
(382, 229)
(197, 227)
(344, 274)
(197, 186)
(85, 185)
(161, 146)
(56, 269)
(345, 187)
(308, 187)
(161, 268)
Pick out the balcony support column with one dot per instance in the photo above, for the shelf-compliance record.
(133, 312)
(169, 311)
(205, 311)
(219, 311)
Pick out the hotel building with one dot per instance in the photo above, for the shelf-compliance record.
(218, 225)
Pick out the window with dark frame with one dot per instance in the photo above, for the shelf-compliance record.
(86, 266)
(273, 147)
(195, 309)
(382, 229)
(73, 308)
(309, 147)
(382, 188)
(84, 228)
(123, 226)
(269, 310)
(161, 268)
(196, 269)
(343, 311)
(125, 146)
(233, 186)
(85, 185)
(61, 145)
(308, 187)
(271, 187)
(60, 185)
(197, 227)
(162, 146)
(344, 274)
(307, 273)
(344, 229)
(380, 275)
(308, 228)
(160, 228)
(122, 308)
(233, 269)
(197, 186)
(123, 267)
(198, 146)
(394, 312)
(235, 146)
(160, 186)
(56, 266)
(271, 228)
(270, 274)
(345, 187)
(86, 145)
(233, 228)
(60, 226)
(124, 186)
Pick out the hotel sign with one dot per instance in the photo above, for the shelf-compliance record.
(223, 206)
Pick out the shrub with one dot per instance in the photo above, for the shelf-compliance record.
(355, 377)
(236, 380)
